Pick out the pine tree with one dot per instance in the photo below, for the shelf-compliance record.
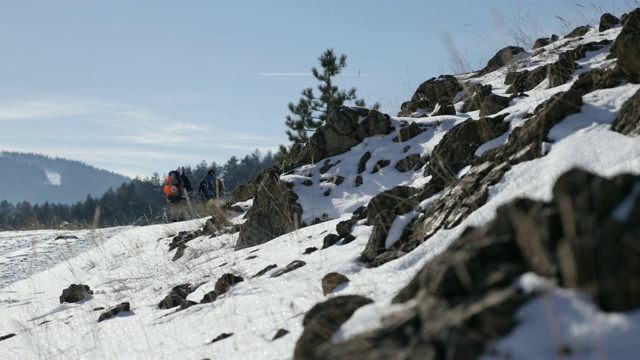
(311, 112)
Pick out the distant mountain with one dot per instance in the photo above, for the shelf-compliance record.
(38, 178)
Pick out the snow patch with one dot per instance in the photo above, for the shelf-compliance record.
(54, 178)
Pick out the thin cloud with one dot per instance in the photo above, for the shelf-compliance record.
(34, 110)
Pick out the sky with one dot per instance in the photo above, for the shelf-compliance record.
(138, 87)
(132, 263)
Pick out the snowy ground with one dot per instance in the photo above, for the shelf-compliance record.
(132, 263)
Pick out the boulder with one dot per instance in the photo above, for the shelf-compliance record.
(607, 21)
(435, 91)
(503, 57)
(275, 211)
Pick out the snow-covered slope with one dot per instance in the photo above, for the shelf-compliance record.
(134, 264)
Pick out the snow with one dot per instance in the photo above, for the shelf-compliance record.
(53, 177)
(132, 263)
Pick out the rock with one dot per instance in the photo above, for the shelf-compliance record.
(8, 336)
(607, 21)
(630, 24)
(345, 127)
(120, 308)
(577, 240)
(177, 296)
(271, 215)
(408, 132)
(408, 163)
(292, 266)
(577, 32)
(458, 146)
(628, 121)
(362, 164)
(481, 98)
(280, 333)
(428, 330)
(223, 284)
(503, 57)
(628, 50)
(541, 42)
(323, 320)
(75, 293)
(526, 80)
(264, 271)
(221, 337)
(331, 281)
(183, 237)
(310, 250)
(435, 91)
(596, 252)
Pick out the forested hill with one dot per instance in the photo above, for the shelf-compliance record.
(38, 178)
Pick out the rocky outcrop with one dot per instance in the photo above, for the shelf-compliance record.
(456, 150)
(562, 70)
(275, 211)
(581, 239)
(345, 127)
(458, 146)
(433, 96)
(75, 293)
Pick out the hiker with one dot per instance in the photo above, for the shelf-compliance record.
(210, 190)
(210, 187)
(177, 189)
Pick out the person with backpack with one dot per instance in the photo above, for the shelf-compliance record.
(176, 190)
(210, 190)
(210, 187)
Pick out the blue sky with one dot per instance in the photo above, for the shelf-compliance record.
(138, 87)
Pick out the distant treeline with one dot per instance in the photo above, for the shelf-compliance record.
(140, 201)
